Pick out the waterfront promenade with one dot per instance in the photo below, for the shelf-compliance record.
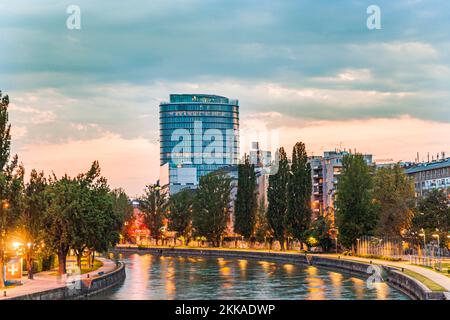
(439, 278)
(48, 280)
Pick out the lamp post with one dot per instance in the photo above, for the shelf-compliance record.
(422, 234)
(437, 237)
(335, 231)
(438, 242)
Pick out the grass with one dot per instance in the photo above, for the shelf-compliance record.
(433, 286)
(97, 265)
(84, 269)
(445, 269)
(374, 256)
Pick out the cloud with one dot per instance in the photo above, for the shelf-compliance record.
(292, 64)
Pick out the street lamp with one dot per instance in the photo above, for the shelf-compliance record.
(437, 237)
(424, 240)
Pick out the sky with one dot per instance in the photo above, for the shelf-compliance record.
(310, 71)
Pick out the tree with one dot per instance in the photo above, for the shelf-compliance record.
(123, 208)
(81, 216)
(433, 215)
(153, 204)
(32, 217)
(211, 206)
(246, 200)
(58, 226)
(11, 186)
(355, 212)
(262, 226)
(320, 230)
(277, 197)
(108, 216)
(180, 213)
(393, 194)
(298, 217)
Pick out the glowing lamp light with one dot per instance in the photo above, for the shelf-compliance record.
(16, 245)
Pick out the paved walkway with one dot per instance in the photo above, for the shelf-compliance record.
(44, 281)
(437, 277)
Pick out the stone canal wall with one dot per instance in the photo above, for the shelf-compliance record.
(81, 289)
(410, 286)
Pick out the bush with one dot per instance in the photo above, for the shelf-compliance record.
(375, 256)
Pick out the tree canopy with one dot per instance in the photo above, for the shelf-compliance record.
(246, 200)
(355, 212)
(211, 206)
(277, 196)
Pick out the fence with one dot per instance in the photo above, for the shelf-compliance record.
(380, 246)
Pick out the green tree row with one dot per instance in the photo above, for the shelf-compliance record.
(53, 215)
(289, 195)
(191, 213)
(382, 203)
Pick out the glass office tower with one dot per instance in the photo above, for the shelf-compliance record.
(198, 134)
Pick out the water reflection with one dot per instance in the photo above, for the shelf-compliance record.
(315, 284)
(336, 280)
(358, 287)
(174, 277)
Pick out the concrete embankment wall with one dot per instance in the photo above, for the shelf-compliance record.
(397, 279)
(80, 290)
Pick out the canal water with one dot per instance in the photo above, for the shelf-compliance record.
(157, 277)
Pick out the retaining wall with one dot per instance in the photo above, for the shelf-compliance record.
(80, 290)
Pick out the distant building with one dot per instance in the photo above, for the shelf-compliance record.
(199, 134)
(431, 175)
(325, 173)
(317, 185)
(258, 157)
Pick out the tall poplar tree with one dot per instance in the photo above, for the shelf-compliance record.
(246, 200)
(277, 197)
(298, 218)
(32, 216)
(153, 204)
(11, 186)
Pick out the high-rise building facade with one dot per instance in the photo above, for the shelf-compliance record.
(199, 134)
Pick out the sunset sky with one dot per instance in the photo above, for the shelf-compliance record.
(310, 70)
